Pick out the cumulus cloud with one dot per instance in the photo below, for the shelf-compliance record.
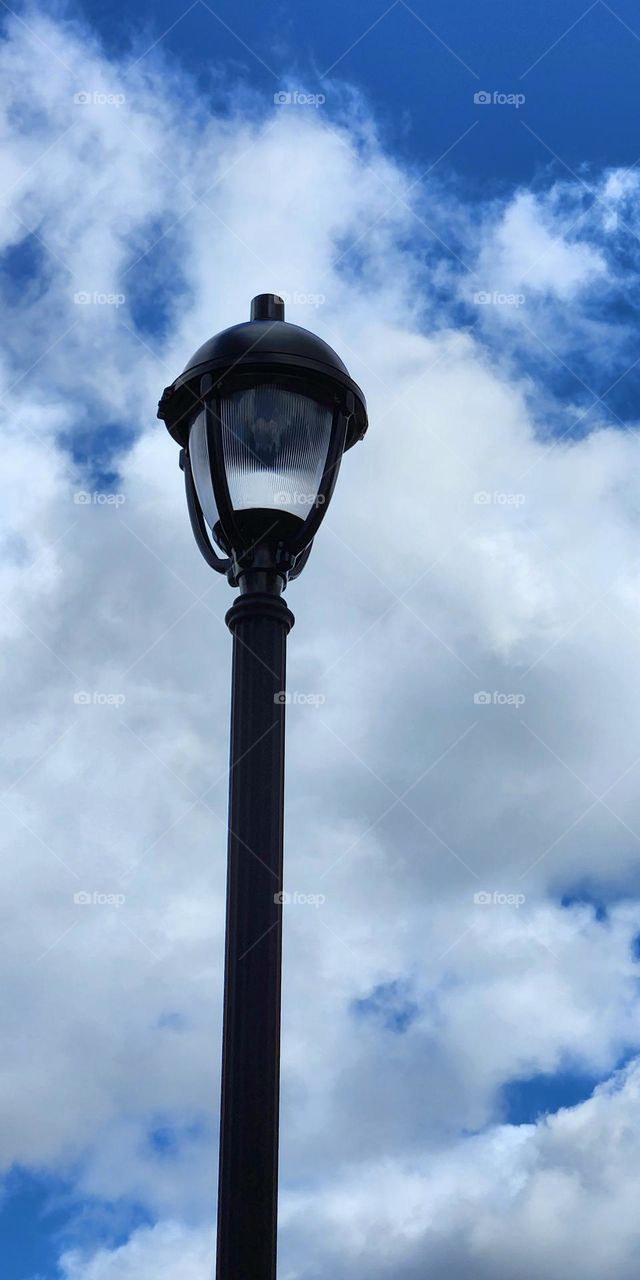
(531, 250)
(535, 1200)
(151, 1254)
(470, 616)
(541, 1199)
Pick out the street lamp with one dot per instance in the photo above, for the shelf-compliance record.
(263, 413)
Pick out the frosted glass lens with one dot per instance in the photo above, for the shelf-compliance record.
(275, 444)
(199, 457)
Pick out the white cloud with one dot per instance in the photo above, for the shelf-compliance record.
(152, 1254)
(535, 249)
(417, 596)
(541, 1199)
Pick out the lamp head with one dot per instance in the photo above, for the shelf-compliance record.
(263, 412)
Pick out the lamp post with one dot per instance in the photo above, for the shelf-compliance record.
(263, 413)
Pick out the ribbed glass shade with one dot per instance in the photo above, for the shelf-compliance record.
(199, 458)
(275, 443)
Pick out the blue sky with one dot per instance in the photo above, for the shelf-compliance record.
(421, 64)
(476, 264)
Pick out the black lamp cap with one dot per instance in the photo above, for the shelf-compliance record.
(267, 344)
(267, 306)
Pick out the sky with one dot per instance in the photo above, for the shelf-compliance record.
(448, 195)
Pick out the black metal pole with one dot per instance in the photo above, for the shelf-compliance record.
(259, 621)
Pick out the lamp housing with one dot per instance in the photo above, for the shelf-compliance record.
(263, 413)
